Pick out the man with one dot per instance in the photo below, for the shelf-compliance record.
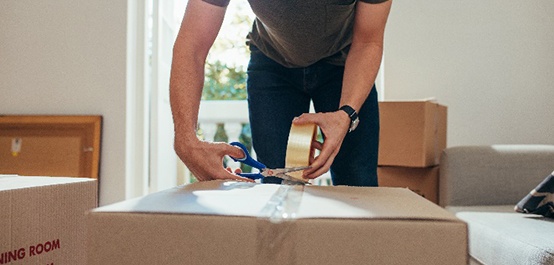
(327, 51)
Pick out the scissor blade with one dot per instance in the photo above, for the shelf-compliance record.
(291, 179)
(278, 171)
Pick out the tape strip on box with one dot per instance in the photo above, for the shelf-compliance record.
(276, 240)
(276, 230)
(284, 204)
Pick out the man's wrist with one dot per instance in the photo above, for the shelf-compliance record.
(353, 115)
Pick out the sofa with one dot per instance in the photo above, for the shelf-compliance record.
(482, 184)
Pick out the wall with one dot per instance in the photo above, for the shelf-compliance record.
(69, 57)
(491, 62)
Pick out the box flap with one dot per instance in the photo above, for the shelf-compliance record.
(253, 200)
(12, 182)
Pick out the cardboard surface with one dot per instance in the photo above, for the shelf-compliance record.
(221, 222)
(423, 181)
(413, 133)
(42, 219)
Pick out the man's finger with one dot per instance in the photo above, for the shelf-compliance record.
(232, 176)
(321, 163)
(317, 145)
(234, 151)
(322, 169)
(318, 171)
(307, 118)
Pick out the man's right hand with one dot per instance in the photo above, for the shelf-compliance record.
(205, 159)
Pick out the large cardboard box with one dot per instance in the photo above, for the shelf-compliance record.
(423, 181)
(42, 219)
(413, 133)
(224, 222)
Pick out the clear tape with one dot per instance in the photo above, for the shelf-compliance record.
(284, 203)
(276, 229)
(299, 147)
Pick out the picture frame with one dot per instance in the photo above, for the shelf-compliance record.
(50, 145)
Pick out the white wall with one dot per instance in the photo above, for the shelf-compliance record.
(69, 57)
(491, 62)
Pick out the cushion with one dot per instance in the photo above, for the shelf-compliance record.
(492, 174)
(497, 237)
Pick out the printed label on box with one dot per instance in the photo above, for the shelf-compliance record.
(32, 250)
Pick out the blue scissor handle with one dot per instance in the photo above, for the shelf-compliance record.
(248, 160)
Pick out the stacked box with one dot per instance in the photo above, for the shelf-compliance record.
(42, 219)
(412, 138)
(423, 181)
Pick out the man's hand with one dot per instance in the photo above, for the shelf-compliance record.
(334, 125)
(205, 159)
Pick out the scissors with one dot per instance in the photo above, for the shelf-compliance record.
(264, 171)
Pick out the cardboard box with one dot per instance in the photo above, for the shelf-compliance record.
(42, 219)
(413, 133)
(220, 222)
(423, 181)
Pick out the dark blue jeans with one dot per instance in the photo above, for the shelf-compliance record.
(277, 94)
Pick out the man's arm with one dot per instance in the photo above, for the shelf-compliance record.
(200, 26)
(364, 57)
(362, 65)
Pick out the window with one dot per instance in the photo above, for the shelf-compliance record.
(228, 58)
(153, 25)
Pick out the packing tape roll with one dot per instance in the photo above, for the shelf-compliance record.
(299, 147)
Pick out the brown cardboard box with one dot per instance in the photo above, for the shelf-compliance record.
(220, 222)
(42, 219)
(413, 133)
(423, 181)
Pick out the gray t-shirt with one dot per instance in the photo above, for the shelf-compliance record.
(298, 33)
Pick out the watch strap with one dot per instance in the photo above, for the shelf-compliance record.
(353, 116)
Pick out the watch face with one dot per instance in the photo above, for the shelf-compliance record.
(354, 124)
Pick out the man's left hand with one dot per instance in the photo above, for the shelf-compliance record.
(334, 126)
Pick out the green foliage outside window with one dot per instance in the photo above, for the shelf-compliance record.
(224, 82)
(225, 72)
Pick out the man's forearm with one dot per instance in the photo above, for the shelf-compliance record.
(366, 51)
(186, 84)
(199, 29)
(360, 72)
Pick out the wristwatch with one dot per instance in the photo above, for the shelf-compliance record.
(354, 120)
